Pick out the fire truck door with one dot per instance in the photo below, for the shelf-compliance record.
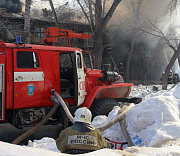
(80, 87)
(2, 87)
(28, 79)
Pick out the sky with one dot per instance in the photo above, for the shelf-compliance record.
(45, 3)
(153, 125)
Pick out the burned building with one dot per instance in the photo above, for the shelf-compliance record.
(12, 25)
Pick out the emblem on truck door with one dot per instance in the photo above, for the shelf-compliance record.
(30, 88)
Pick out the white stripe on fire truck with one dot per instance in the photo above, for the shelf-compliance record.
(28, 76)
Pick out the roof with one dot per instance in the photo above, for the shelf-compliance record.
(38, 18)
(43, 47)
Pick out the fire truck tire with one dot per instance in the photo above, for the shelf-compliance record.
(103, 106)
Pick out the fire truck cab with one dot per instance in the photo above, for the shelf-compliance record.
(29, 72)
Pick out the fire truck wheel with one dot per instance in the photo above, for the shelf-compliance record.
(103, 106)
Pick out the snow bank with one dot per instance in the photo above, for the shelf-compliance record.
(173, 150)
(147, 92)
(156, 120)
(114, 132)
(44, 143)
(7, 149)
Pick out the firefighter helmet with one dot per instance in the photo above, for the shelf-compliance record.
(83, 115)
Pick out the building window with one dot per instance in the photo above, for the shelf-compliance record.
(89, 41)
(39, 34)
(14, 30)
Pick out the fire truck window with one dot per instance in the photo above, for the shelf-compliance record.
(79, 63)
(66, 60)
(27, 60)
(87, 58)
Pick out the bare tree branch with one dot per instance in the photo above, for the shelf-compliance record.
(2, 25)
(172, 6)
(172, 47)
(27, 22)
(155, 31)
(90, 13)
(98, 25)
(54, 12)
(90, 24)
(110, 12)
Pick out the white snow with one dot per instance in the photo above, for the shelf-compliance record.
(156, 120)
(154, 125)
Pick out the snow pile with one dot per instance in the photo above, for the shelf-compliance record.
(7, 149)
(154, 123)
(147, 92)
(156, 120)
(173, 150)
(44, 143)
(114, 132)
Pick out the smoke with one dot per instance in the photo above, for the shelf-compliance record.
(172, 29)
(14, 6)
(153, 18)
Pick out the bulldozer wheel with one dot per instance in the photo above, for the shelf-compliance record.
(103, 106)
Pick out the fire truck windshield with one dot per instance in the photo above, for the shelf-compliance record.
(88, 61)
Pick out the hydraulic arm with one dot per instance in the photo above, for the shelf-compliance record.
(53, 33)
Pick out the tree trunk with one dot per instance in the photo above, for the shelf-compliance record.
(169, 66)
(136, 12)
(98, 49)
(98, 34)
(54, 12)
(27, 36)
(129, 61)
(99, 24)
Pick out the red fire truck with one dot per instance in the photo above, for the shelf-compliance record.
(29, 72)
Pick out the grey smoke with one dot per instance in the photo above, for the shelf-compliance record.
(14, 6)
(121, 29)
